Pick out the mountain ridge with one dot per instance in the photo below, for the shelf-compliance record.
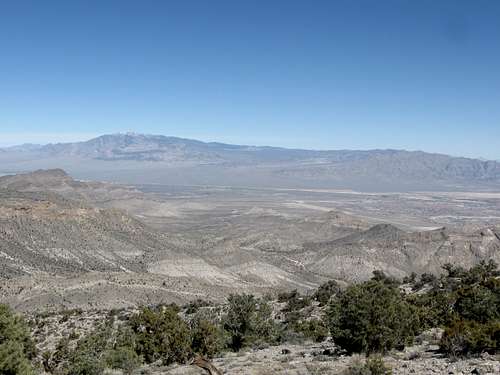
(156, 159)
(145, 136)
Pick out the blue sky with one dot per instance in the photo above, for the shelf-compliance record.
(313, 74)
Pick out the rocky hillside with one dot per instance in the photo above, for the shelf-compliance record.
(43, 232)
(68, 236)
(399, 253)
(59, 182)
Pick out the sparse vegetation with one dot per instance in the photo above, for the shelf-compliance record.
(123, 358)
(373, 365)
(464, 337)
(476, 310)
(372, 317)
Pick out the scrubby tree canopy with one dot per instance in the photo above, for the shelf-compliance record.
(249, 321)
(371, 317)
(161, 335)
(16, 346)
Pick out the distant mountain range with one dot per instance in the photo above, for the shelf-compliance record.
(139, 158)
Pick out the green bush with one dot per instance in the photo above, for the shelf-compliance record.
(239, 318)
(325, 291)
(122, 358)
(60, 356)
(454, 271)
(434, 308)
(371, 317)
(13, 360)
(207, 339)
(249, 321)
(425, 278)
(104, 347)
(161, 334)
(265, 329)
(482, 272)
(467, 304)
(86, 358)
(463, 338)
(84, 364)
(16, 345)
(478, 303)
(313, 329)
(294, 300)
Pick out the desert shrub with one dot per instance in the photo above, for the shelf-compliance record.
(294, 300)
(249, 321)
(481, 272)
(238, 320)
(313, 329)
(102, 348)
(373, 365)
(161, 334)
(472, 294)
(325, 291)
(411, 279)
(478, 303)
(124, 337)
(425, 278)
(206, 338)
(84, 364)
(463, 338)
(295, 308)
(376, 366)
(454, 271)
(434, 308)
(380, 276)
(122, 358)
(371, 317)
(87, 356)
(96, 342)
(56, 359)
(264, 327)
(193, 306)
(16, 345)
(467, 304)
(13, 360)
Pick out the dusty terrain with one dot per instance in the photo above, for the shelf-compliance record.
(309, 359)
(99, 246)
(305, 358)
(68, 243)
